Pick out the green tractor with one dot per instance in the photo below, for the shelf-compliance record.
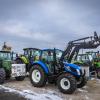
(95, 62)
(30, 55)
(90, 59)
(8, 69)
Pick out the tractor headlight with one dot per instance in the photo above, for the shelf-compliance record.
(78, 72)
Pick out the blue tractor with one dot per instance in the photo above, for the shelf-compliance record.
(54, 66)
(48, 68)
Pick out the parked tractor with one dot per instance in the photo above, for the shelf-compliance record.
(89, 59)
(30, 55)
(53, 66)
(8, 69)
(48, 68)
(95, 62)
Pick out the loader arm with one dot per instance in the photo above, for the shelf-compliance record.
(73, 47)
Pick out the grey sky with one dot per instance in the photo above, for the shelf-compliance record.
(47, 23)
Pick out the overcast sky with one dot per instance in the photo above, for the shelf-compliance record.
(47, 23)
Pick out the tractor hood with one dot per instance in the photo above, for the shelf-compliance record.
(73, 69)
(72, 65)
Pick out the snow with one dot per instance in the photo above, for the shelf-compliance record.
(87, 98)
(33, 95)
(92, 78)
(81, 90)
(96, 79)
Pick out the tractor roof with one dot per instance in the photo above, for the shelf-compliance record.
(31, 49)
(50, 49)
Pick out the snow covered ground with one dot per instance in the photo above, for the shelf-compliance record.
(30, 95)
(50, 92)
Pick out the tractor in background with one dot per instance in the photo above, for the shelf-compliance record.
(95, 62)
(54, 66)
(8, 68)
(91, 59)
(30, 55)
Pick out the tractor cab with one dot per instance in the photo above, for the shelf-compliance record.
(5, 60)
(95, 56)
(51, 57)
(31, 53)
(5, 55)
(83, 59)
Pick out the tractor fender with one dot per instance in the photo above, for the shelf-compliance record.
(23, 59)
(42, 65)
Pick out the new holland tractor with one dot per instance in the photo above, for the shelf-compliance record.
(30, 55)
(9, 69)
(53, 67)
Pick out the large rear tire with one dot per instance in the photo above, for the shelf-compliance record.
(2, 75)
(37, 76)
(66, 83)
(82, 82)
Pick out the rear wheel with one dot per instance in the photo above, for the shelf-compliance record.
(37, 76)
(66, 83)
(2, 75)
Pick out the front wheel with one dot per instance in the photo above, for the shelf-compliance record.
(37, 76)
(66, 83)
(2, 75)
(82, 82)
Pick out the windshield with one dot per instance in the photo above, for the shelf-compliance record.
(32, 52)
(84, 57)
(5, 55)
(47, 55)
(36, 52)
(58, 54)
